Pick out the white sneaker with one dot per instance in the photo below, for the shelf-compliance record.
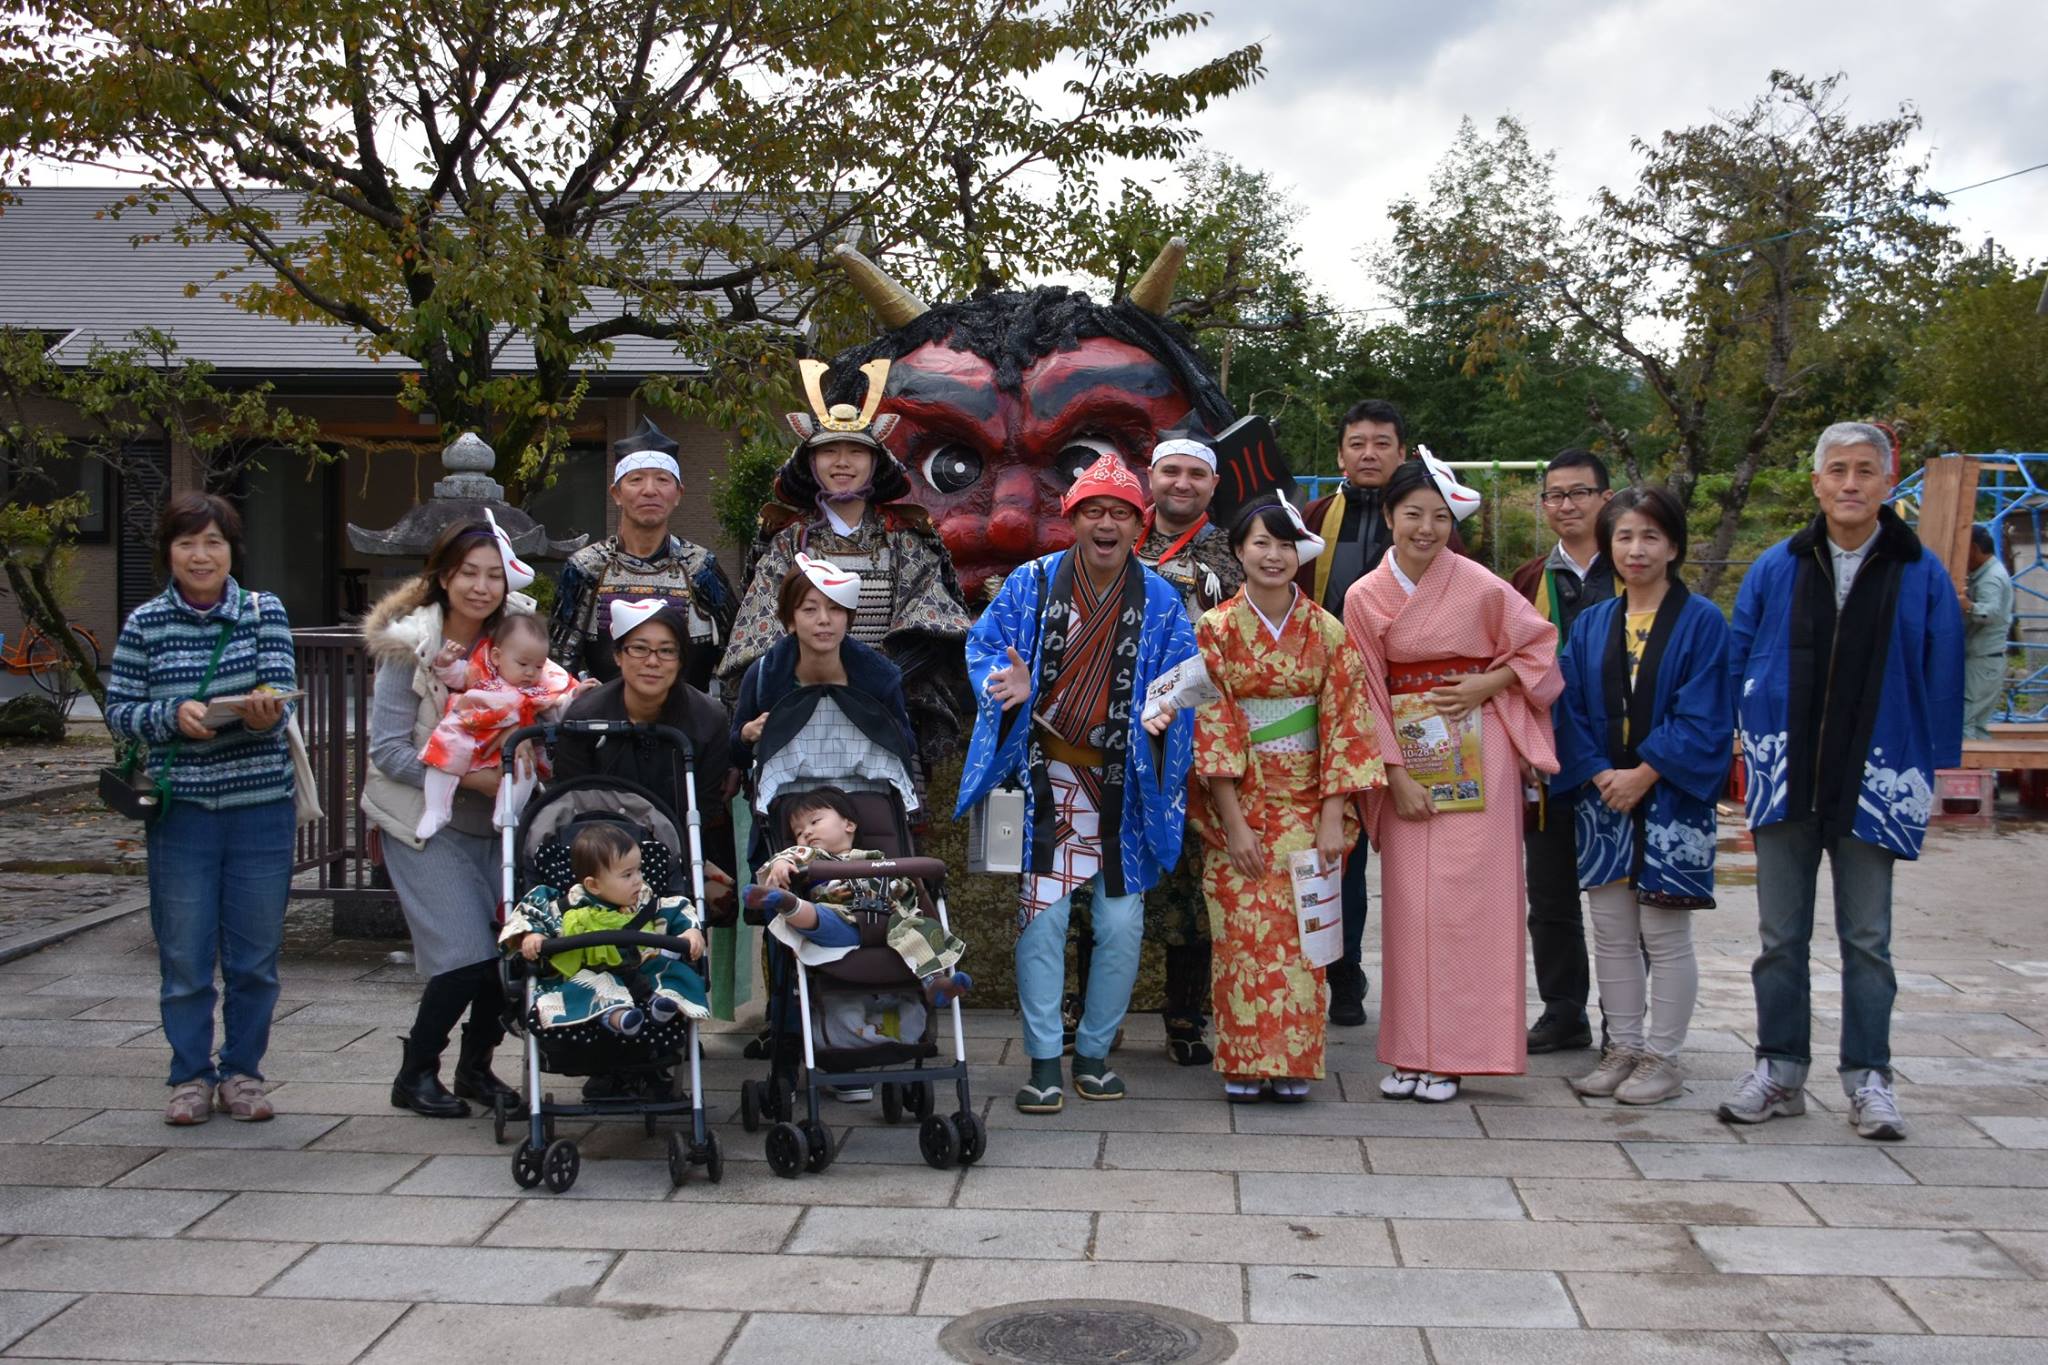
(1654, 1080)
(1399, 1085)
(1757, 1097)
(1875, 1110)
(1617, 1064)
(852, 1094)
(1430, 1088)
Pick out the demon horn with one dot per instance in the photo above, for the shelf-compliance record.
(1154, 289)
(893, 304)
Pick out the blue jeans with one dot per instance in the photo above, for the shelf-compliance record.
(1112, 971)
(1787, 868)
(217, 886)
(833, 930)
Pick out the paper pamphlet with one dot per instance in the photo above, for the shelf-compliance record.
(221, 710)
(1318, 906)
(1184, 685)
(1441, 755)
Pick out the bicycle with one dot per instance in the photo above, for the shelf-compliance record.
(39, 658)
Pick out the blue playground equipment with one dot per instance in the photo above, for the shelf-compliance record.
(2012, 497)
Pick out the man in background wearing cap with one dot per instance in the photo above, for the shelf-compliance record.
(1181, 545)
(642, 562)
(1060, 663)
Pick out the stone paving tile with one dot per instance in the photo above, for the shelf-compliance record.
(371, 1099)
(188, 1327)
(1015, 1234)
(411, 1134)
(40, 1125)
(1467, 1244)
(271, 1217)
(1616, 1124)
(1871, 1349)
(1927, 1206)
(41, 1165)
(490, 1177)
(1379, 1196)
(19, 1313)
(29, 1209)
(59, 1032)
(445, 1274)
(746, 1283)
(1286, 1344)
(1124, 1116)
(1242, 1238)
(1093, 1191)
(92, 1061)
(1664, 1201)
(1430, 1156)
(841, 1340)
(1380, 1119)
(92, 1092)
(2027, 1170)
(2029, 1249)
(471, 1334)
(1759, 1302)
(1408, 1297)
(1512, 1346)
(1854, 1251)
(1866, 1164)
(1940, 1070)
(956, 1287)
(120, 1265)
(1995, 1308)
(875, 1186)
(287, 1172)
(1038, 1148)
(1821, 1129)
(651, 1226)
(146, 1128)
(2029, 1134)
(1230, 1152)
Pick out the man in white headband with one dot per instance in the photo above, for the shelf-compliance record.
(642, 562)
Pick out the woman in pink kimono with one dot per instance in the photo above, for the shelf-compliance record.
(1445, 640)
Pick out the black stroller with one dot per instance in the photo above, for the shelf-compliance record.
(906, 1071)
(652, 1082)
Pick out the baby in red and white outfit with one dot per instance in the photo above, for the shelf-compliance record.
(506, 682)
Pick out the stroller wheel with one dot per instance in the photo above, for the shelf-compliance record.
(751, 1105)
(713, 1158)
(819, 1139)
(917, 1099)
(892, 1103)
(559, 1165)
(678, 1161)
(973, 1137)
(939, 1141)
(501, 1117)
(526, 1165)
(788, 1150)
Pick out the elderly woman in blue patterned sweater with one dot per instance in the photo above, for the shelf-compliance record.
(220, 852)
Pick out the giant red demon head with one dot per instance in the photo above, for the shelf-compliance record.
(1003, 400)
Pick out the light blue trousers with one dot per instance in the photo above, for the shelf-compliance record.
(1112, 972)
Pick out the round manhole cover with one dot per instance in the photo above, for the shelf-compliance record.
(1087, 1332)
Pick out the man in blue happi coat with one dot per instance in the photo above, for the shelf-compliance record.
(1060, 663)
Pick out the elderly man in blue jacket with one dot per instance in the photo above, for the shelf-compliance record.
(1847, 661)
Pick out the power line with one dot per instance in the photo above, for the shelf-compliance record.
(1484, 295)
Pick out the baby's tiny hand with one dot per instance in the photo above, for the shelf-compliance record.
(450, 653)
(695, 938)
(529, 947)
(776, 874)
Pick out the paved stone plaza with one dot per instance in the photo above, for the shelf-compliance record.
(1517, 1224)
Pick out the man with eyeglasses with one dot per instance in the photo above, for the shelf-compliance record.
(1060, 664)
(1561, 584)
(642, 563)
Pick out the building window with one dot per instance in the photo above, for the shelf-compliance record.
(61, 476)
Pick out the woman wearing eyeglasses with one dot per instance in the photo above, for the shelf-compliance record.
(650, 641)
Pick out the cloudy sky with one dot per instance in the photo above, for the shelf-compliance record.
(1362, 97)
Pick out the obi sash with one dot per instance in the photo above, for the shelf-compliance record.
(1283, 723)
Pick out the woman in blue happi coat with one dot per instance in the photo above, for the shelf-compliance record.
(1645, 727)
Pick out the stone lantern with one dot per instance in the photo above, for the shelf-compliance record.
(462, 496)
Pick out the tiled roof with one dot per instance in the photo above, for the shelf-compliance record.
(74, 272)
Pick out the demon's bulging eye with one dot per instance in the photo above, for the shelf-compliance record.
(952, 468)
(1079, 453)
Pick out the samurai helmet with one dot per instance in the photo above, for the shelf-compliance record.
(842, 421)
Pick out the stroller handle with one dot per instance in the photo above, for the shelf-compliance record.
(917, 869)
(613, 938)
(546, 731)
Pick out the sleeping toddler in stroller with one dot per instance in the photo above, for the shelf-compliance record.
(822, 821)
(621, 991)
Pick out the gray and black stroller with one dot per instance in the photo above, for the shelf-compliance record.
(655, 1074)
(823, 1017)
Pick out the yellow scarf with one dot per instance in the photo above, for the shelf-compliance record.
(1333, 523)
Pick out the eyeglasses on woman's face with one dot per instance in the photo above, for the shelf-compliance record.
(640, 651)
(1557, 497)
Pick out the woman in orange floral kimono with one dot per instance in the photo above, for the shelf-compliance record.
(1283, 751)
